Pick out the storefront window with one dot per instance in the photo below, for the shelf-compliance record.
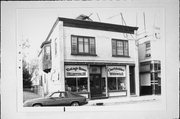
(76, 84)
(116, 84)
(82, 85)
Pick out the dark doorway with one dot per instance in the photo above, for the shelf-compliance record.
(132, 80)
(97, 84)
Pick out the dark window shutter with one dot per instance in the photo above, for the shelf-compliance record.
(74, 45)
(113, 47)
(92, 46)
(126, 49)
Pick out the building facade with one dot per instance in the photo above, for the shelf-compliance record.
(96, 60)
(150, 63)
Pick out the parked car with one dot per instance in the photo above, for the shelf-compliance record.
(57, 99)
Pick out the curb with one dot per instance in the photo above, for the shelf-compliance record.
(104, 103)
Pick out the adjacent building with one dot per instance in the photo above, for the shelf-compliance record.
(150, 63)
(94, 59)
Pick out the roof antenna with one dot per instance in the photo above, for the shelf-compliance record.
(144, 17)
(90, 14)
(84, 17)
(123, 21)
(98, 17)
(113, 16)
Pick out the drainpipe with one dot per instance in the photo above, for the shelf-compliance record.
(127, 81)
(106, 81)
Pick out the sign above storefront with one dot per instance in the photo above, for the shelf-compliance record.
(95, 70)
(116, 71)
(73, 71)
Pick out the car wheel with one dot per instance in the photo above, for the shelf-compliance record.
(37, 105)
(75, 104)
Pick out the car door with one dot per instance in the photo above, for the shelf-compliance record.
(53, 100)
(63, 99)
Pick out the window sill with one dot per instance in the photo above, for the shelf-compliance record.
(120, 56)
(117, 90)
(84, 54)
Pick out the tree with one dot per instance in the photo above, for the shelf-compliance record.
(26, 76)
(26, 73)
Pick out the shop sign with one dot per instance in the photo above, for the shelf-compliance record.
(76, 71)
(116, 71)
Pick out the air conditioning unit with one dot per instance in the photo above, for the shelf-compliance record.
(148, 55)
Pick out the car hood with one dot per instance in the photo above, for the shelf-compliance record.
(37, 99)
(30, 102)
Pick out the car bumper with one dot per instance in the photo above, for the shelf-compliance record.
(83, 103)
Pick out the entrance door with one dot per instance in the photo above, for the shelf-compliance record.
(132, 80)
(97, 84)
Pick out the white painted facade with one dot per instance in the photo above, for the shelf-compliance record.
(103, 45)
(155, 44)
(60, 37)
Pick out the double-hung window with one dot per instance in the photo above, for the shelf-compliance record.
(148, 49)
(82, 45)
(120, 48)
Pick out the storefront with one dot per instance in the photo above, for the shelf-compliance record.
(150, 78)
(96, 81)
(117, 80)
(76, 79)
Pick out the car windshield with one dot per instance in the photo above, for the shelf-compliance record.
(48, 95)
(56, 94)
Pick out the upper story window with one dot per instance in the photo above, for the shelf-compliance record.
(81, 45)
(120, 48)
(47, 52)
(148, 49)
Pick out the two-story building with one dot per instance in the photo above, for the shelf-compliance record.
(94, 59)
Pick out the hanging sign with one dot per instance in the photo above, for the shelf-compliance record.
(72, 71)
(116, 71)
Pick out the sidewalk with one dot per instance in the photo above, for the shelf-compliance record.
(120, 100)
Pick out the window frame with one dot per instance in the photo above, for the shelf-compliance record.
(123, 41)
(77, 46)
(77, 85)
(148, 49)
(117, 81)
(47, 56)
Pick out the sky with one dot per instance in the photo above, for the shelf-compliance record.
(35, 24)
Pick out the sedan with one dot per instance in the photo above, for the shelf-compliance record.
(57, 99)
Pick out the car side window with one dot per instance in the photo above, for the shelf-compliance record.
(55, 95)
(63, 95)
